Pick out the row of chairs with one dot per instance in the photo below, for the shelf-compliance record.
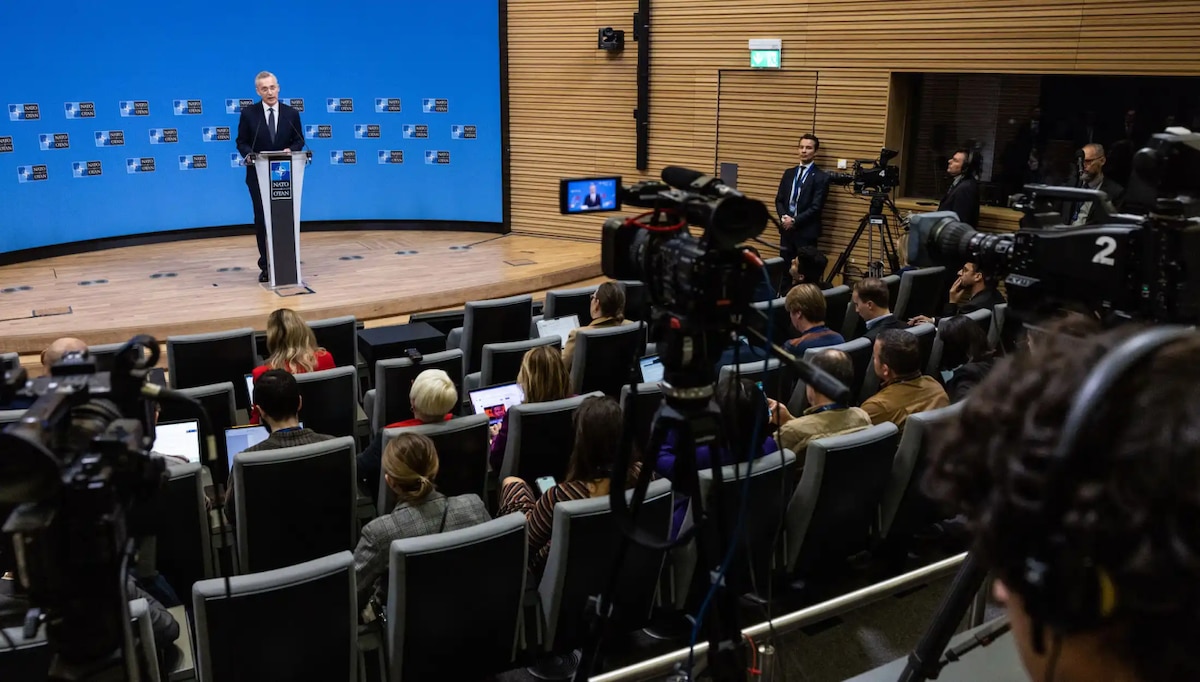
(463, 590)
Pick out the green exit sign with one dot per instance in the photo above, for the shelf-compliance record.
(764, 59)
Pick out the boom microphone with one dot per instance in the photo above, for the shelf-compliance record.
(695, 181)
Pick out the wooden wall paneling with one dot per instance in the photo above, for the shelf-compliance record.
(761, 115)
(571, 106)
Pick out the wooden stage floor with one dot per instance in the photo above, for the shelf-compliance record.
(192, 286)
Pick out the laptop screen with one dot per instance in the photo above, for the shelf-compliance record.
(652, 369)
(494, 401)
(181, 439)
(559, 326)
(249, 389)
(241, 437)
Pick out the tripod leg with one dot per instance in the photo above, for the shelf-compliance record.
(840, 266)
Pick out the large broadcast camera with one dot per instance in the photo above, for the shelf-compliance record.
(1128, 267)
(699, 287)
(700, 290)
(76, 472)
(871, 176)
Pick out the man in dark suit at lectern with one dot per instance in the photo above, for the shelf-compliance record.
(267, 126)
(800, 200)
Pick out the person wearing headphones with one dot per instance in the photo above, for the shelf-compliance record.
(1077, 471)
(963, 195)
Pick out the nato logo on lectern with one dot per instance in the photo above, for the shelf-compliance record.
(34, 173)
(110, 138)
(343, 157)
(24, 112)
(215, 133)
(86, 169)
(144, 164)
(323, 132)
(387, 105)
(187, 107)
(47, 141)
(281, 179)
(339, 105)
(80, 109)
(135, 107)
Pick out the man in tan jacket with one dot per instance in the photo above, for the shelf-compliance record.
(824, 417)
(608, 310)
(905, 390)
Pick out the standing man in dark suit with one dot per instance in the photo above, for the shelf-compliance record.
(800, 200)
(963, 195)
(268, 126)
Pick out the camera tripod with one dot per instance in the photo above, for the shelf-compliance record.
(875, 221)
(690, 413)
(926, 660)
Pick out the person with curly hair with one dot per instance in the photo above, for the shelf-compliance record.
(1112, 528)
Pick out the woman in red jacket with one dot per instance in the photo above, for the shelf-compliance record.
(292, 347)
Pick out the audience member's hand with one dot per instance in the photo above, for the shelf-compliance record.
(787, 221)
(919, 319)
(959, 293)
(492, 431)
(794, 270)
(779, 412)
(511, 480)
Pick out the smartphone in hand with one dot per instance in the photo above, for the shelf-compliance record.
(544, 484)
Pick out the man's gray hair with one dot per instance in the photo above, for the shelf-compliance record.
(1096, 147)
(263, 75)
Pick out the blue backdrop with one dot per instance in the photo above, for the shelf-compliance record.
(401, 109)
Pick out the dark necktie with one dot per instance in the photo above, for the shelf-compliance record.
(271, 122)
(799, 187)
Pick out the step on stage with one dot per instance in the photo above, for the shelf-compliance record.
(203, 285)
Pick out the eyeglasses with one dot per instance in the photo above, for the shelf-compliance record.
(1098, 158)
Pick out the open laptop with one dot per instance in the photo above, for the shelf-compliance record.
(181, 439)
(250, 387)
(494, 401)
(558, 326)
(652, 369)
(239, 438)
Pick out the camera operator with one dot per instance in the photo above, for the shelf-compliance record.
(1092, 160)
(963, 195)
(1095, 549)
(800, 200)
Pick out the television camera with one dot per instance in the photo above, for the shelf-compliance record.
(78, 477)
(871, 176)
(1125, 267)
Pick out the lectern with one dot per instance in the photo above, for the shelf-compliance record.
(280, 181)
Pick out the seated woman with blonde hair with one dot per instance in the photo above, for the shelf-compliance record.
(292, 347)
(542, 378)
(432, 398)
(410, 465)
